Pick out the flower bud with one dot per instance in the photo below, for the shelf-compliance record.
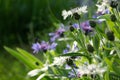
(62, 34)
(76, 16)
(37, 63)
(69, 62)
(72, 28)
(113, 18)
(114, 4)
(90, 48)
(92, 23)
(110, 36)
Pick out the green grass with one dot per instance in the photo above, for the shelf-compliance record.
(11, 68)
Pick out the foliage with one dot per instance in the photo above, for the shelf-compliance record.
(90, 50)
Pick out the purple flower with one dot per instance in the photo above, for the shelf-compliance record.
(86, 26)
(43, 46)
(76, 26)
(36, 47)
(57, 34)
(53, 46)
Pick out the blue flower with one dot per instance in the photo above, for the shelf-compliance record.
(57, 34)
(53, 46)
(36, 47)
(44, 46)
(76, 26)
(86, 26)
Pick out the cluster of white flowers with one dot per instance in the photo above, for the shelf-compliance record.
(78, 10)
(59, 61)
(103, 7)
(91, 69)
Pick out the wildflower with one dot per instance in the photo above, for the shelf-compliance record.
(86, 26)
(53, 46)
(103, 8)
(76, 26)
(76, 11)
(59, 33)
(44, 46)
(59, 61)
(65, 14)
(36, 47)
(91, 69)
(73, 48)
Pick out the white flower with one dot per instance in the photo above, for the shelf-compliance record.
(82, 10)
(59, 61)
(103, 7)
(79, 10)
(91, 69)
(65, 14)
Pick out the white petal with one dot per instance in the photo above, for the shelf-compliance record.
(41, 76)
(33, 72)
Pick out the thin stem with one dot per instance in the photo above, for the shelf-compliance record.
(74, 71)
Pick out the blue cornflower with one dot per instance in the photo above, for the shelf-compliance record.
(57, 34)
(53, 46)
(76, 26)
(43, 46)
(86, 26)
(36, 47)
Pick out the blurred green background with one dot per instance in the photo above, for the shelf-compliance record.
(21, 21)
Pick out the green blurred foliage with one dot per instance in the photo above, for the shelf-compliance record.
(16, 17)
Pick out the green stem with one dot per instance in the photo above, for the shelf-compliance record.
(74, 71)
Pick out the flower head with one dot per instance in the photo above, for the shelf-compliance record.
(43, 46)
(91, 69)
(36, 47)
(59, 33)
(59, 61)
(78, 10)
(86, 26)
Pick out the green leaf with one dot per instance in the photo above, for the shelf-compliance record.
(114, 76)
(114, 28)
(106, 16)
(77, 54)
(24, 57)
(30, 57)
(106, 76)
(96, 42)
(108, 62)
(116, 65)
